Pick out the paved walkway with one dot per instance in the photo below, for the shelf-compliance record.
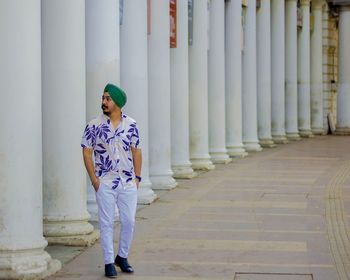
(276, 215)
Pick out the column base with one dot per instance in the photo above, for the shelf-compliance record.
(280, 139)
(162, 182)
(236, 152)
(86, 240)
(318, 131)
(252, 147)
(183, 171)
(293, 136)
(62, 226)
(27, 264)
(220, 157)
(306, 133)
(145, 195)
(202, 164)
(342, 131)
(267, 143)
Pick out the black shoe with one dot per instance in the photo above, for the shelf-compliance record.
(110, 270)
(123, 264)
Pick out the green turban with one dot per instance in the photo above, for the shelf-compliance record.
(117, 94)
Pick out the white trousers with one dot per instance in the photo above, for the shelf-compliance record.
(125, 197)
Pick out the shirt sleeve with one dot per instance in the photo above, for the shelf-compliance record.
(89, 137)
(135, 138)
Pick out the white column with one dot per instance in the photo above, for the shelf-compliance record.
(249, 100)
(179, 94)
(316, 69)
(198, 77)
(159, 96)
(233, 78)
(216, 85)
(291, 45)
(64, 119)
(278, 72)
(304, 104)
(102, 63)
(21, 228)
(264, 73)
(134, 79)
(343, 101)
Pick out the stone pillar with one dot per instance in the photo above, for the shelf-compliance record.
(316, 69)
(264, 74)
(233, 78)
(216, 92)
(278, 72)
(134, 79)
(64, 119)
(330, 49)
(22, 243)
(179, 94)
(304, 104)
(249, 100)
(343, 101)
(102, 63)
(198, 77)
(291, 45)
(159, 96)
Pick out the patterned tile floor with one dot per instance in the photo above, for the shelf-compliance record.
(280, 214)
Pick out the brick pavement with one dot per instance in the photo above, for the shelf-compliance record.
(280, 214)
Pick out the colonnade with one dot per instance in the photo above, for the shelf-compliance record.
(232, 85)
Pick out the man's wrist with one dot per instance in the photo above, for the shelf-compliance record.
(94, 180)
(138, 178)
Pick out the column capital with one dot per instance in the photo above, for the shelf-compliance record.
(344, 8)
(305, 2)
(317, 4)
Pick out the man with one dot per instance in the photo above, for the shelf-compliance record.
(115, 174)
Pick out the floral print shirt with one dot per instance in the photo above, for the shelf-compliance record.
(112, 149)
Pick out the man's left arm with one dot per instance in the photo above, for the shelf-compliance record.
(137, 160)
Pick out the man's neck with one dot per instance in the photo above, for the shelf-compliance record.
(115, 118)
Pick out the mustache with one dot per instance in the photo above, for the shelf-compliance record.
(103, 107)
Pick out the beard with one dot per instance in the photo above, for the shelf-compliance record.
(104, 108)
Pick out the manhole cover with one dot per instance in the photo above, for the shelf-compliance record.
(272, 276)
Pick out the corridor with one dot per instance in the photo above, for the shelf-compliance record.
(280, 214)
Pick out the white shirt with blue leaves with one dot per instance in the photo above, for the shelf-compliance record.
(112, 149)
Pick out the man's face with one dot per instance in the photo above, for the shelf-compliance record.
(107, 106)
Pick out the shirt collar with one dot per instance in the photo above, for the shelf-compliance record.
(106, 119)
